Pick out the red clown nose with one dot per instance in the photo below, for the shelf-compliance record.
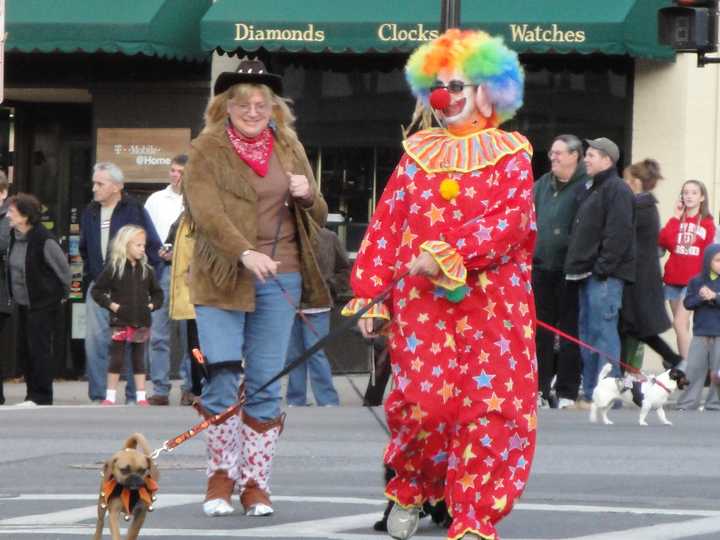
(440, 99)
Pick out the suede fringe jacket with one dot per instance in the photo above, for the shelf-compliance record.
(222, 207)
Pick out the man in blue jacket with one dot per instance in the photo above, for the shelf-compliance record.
(109, 211)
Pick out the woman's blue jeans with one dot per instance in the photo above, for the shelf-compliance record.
(260, 338)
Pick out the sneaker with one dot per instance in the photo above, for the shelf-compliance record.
(25, 404)
(158, 400)
(187, 398)
(402, 523)
(565, 403)
(255, 501)
(143, 403)
(259, 509)
(542, 403)
(217, 507)
(106, 402)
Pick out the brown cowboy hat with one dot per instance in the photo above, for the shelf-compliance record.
(251, 71)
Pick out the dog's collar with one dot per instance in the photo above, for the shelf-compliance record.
(661, 385)
(145, 493)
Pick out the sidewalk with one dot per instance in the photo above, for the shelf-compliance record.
(75, 392)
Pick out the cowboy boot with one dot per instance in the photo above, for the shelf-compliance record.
(258, 448)
(223, 450)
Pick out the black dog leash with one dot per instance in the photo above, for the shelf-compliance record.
(170, 444)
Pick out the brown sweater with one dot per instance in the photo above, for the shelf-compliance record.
(272, 191)
(222, 204)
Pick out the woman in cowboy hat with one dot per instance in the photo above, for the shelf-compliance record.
(254, 206)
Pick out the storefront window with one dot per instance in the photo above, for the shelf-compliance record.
(351, 110)
(7, 140)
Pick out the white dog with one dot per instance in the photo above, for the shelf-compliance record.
(650, 394)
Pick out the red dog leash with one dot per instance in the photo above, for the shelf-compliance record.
(628, 367)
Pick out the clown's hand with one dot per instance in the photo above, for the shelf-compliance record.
(372, 327)
(424, 265)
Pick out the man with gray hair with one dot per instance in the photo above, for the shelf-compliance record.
(601, 258)
(556, 299)
(110, 209)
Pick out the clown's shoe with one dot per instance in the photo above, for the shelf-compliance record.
(402, 522)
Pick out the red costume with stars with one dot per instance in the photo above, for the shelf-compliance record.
(462, 411)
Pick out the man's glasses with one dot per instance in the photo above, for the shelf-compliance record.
(454, 87)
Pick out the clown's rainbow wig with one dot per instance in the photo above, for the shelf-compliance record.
(485, 60)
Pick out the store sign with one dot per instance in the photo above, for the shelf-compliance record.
(144, 155)
(526, 33)
(248, 32)
(395, 32)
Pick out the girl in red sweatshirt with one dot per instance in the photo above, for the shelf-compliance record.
(685, 236)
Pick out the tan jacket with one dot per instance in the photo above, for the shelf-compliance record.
(179, 302)
(221, 204)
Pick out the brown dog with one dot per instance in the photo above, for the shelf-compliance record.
(128, 486)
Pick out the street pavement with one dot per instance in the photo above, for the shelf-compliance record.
(589, 482)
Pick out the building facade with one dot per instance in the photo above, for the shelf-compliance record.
(76, 80)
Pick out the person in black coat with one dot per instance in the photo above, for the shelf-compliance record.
(643, 315)
(601, 259)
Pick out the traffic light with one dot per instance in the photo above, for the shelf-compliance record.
(689, 26)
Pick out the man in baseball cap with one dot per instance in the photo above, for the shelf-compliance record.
(601, 258)
(606, 146)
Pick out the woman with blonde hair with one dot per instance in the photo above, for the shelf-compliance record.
(685, 236)
(127, 287)
(253, 206)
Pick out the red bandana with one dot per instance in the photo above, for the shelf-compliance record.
(254, 152)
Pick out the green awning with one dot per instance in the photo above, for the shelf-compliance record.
(563, 26)
(319, 25)
(164, 28)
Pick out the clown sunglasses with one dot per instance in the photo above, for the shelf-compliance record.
(454, 86)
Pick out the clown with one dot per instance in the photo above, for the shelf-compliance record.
(457, 216)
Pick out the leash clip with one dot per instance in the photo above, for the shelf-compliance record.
(164, 448)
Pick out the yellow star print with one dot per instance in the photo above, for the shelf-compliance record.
(435, 214)
(417, 413)
(528, 331)
(408, 238)
(468, 481)
(484, 281)
(446, 391)
(462, 325)
(494, 402)
(449, 341)
(468, 454)
(499, 504)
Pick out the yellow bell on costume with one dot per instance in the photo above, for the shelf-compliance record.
(449, 189)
